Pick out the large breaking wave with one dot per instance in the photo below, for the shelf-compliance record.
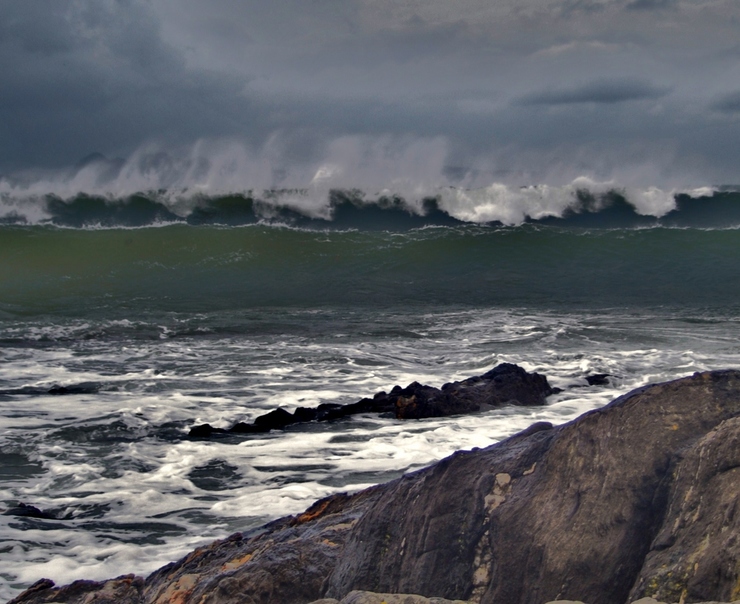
(359, 183)
(582, 203)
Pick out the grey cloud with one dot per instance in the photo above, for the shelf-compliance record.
(728, 103)
(600, 92)
(650, 4)
(114, 75)
(106, 82)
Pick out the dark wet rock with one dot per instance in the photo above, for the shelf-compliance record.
(638, 498)
(279, 418)
(695, 554)
(245, 428)
(506, 384)
(598, 379)
(123, 590)
(534, 428)
(328, 411)
(594, 379)
(25, 510)
(306, 414)
(204, 431)
(84, 388)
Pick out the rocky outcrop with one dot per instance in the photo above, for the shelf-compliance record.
(637, 499)
(505, 384)
(696, 552)
(123, 590)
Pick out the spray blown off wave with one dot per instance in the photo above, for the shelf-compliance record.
(353, 181)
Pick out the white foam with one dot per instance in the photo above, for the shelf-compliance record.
(700, 192)
(651, 201)
(512, 206)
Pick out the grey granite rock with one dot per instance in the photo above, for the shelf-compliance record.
(696, 554)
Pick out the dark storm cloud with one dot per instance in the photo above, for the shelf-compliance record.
(650, 4)
(603, 91)
(79, 77)
(727, 103)
(286, 78)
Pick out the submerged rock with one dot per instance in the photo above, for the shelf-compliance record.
(637, 499)
(25, 510)
(506, 384)
(56, 389)
(84, 388)
(598, 379)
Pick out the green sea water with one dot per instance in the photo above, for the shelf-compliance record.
(183, 268)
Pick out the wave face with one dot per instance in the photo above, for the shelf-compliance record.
(178, 267)
(540, 246)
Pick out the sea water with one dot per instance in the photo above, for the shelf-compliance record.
(125, 321)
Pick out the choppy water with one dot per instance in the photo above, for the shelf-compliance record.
(170, 326)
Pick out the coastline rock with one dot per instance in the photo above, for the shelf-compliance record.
(505, 384)
(126, 589)
(636, 499)
(695, 554)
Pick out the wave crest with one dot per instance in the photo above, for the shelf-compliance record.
(81, 201)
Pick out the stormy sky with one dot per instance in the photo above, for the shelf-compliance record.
(474, 91)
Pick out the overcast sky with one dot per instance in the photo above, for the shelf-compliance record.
(516, 91)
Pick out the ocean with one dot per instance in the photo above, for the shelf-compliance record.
(127, 319)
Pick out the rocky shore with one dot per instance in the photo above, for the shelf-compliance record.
(639, 499)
